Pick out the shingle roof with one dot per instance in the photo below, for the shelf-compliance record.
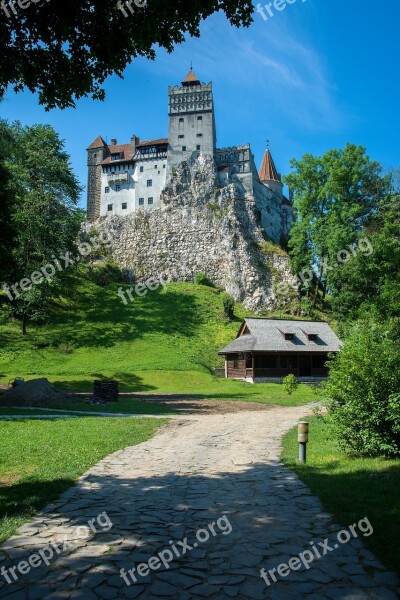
(268, 170)
(98, 143)
(267, 335)
(124, 149)
(191, 78)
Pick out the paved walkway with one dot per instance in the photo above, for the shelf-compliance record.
(215, 477)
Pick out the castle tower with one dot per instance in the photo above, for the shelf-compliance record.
(96, 154)
(191, 121)
(269, 175)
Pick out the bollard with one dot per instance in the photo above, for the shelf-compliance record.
(303, 439)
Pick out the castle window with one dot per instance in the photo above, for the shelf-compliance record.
(141, 169)
(181, 137)
(181, 123)
(107, 190)
(199, 118)
(94, 155)
(150, 201)
(163, 166)
(124, 205)
(198, 147)
(183, 148)
(109, 207)
(116, 156)
(155, 166)
(199, 135)
(117, 188)
(141, 201)
(149, 183)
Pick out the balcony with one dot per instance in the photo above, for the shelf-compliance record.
(117, 177)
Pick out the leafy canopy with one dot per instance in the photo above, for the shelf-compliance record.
(65, 51)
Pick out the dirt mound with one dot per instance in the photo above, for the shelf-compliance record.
(33, 393)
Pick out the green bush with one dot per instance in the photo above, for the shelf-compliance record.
(363, 390)
(202, 279)
(290, 384)
(229, 306)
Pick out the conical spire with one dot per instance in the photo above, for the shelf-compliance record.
(268, 170)
(191, 78)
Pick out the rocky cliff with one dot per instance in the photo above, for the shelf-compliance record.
(203, 227)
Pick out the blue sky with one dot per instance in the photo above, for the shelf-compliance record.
(314, 76)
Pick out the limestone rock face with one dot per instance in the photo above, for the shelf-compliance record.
(203, 227)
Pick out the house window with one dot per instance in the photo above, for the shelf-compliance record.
(289, 336)
(124, 205)
(235, 363)
(109, 207)
(318, 362)
(150, 201)
(141, 201)
(149, 183)
(117, 188)
(183, 148)
(266, 362)
(107, 190)
(288, 362)
(141, 169)
(115, 156)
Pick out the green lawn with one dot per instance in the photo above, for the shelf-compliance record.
(351, 488)
(165, 342)
(41, 459)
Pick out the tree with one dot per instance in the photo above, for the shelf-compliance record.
(363, 390)
(370, 284)
(334, 195)
(7, 201)
(44, 219)
(67, 53)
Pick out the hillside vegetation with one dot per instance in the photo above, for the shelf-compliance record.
(166, 342)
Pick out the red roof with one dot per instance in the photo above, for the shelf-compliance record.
(268, 170)
(154, 142)
(191, 78)
(98, 143)
(126, 150)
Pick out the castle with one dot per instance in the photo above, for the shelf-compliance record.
(125, 178)
(180, 205)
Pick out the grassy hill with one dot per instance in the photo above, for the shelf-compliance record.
(166, 341)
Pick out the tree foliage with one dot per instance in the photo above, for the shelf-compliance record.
(363, 390)
(334, 195)
(44, 217)
(66, 51)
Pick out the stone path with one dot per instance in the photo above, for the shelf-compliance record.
(215, 477)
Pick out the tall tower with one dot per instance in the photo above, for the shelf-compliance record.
(191, 121)
(269, 175)
(96, 154)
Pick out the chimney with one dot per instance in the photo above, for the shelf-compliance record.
(113, 142)
(134, 143)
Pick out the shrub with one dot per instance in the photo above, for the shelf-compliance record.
(290, 384)
(229, 306)
(363, 390)
(202, 279)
